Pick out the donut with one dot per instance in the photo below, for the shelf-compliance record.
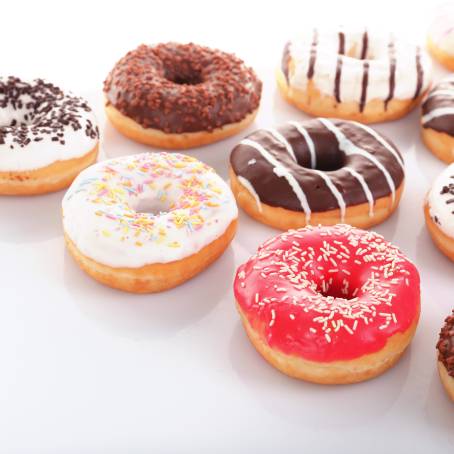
(353, 74)
(318, 171)
(439, 211)
(440, 39)
(181, 95)
(47, 137)
(445, 347)
(329, 305)
(149, 222)
(437, 120)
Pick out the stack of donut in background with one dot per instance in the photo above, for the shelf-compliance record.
(324, 301)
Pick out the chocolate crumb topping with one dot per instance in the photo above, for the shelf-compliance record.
(40, 109)
(445, 344)
(180, 88)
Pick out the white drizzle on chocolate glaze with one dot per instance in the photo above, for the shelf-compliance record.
(247, 184)
(282, 171)
(308, 182)
(366, 189)
(280, 138)
(309, 142)
(350, 148)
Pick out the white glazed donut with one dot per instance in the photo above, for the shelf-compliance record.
(353, 74)
(46, 136)
(148, 222)
(439, 211)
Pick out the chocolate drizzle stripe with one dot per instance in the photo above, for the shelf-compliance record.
(365, 45)
(364, 84)
(341, 49)
(282, 171)
(283, 141)
(392, 73)
(419, 73)
(366, 189)
(353, 149)
(336, 193)
(382, 142)
(313, 55)
(337, 79)
(309, 142)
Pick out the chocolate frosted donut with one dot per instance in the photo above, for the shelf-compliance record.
(437, 121)
(445, 347)
(178, 89)
(438, 107)
(317, 171)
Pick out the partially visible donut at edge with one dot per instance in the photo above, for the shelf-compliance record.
(47, 136)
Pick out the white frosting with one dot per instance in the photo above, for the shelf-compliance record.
(108, 210)
(378, 57)
(37, 154)
(440, 210)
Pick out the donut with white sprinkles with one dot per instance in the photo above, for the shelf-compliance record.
(329, 304)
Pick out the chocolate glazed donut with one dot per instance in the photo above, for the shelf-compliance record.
(317, 172)
(445, 347)
(182, 90)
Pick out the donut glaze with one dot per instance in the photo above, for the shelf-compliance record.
(179, 88)
(40, 124)
(356, 65)
(440, 201)
(328, 293)
(438, 107)
(318, 165)
(445, 345)
(148, 208)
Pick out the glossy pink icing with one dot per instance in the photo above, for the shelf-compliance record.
(328, 293)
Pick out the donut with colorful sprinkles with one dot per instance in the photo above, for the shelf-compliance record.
(330, 305)
(47, 137)
(148, 222)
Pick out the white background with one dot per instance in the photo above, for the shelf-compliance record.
(86, 369)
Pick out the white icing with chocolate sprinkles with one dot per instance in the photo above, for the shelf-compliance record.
(41, 124)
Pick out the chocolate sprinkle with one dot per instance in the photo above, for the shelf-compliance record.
(445, 344)
(45, 110)
(180, 88)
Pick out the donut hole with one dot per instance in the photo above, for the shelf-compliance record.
(184, 75)
(153, 206)
(336, 289)
(335, 162)
(329, 160)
